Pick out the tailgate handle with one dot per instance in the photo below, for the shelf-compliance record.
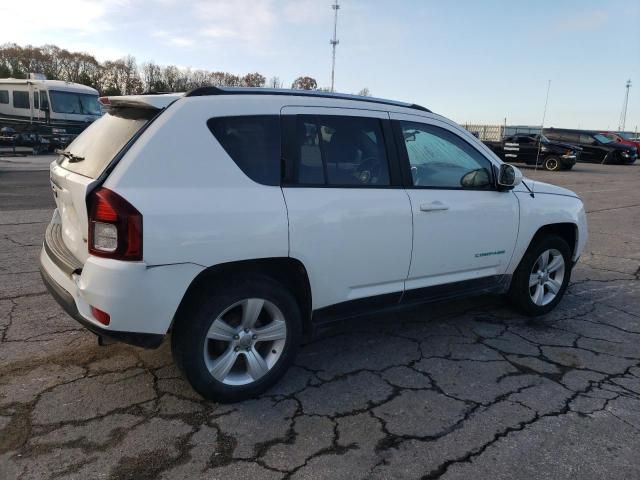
(433, 206)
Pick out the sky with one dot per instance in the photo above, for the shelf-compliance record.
(472, 61)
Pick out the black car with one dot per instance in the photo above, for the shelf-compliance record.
(596, 148)
(527, 148)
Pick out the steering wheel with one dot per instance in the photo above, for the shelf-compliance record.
(368, 170)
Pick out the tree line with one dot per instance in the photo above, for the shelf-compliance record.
(125, 76)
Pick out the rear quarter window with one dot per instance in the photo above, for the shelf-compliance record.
(253, 143)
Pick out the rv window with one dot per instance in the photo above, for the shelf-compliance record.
(21, 100)
(77, 103)
(4, 96)
(44, 101)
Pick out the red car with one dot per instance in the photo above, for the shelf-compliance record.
(624, 138)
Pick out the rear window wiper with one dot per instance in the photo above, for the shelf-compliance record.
(70, 156)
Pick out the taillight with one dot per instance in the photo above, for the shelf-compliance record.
(115, 226)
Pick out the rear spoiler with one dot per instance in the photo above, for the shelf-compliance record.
(154, 102)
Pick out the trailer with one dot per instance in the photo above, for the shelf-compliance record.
(45, 114)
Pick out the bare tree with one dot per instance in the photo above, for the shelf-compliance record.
(304, 83)
(120, 77)
(364, 92)
(253, 80)
(275, 82)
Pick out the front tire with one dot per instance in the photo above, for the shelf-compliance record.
(541, 279)
(552, 164)
(234, 341)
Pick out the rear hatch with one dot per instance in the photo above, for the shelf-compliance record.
(77, 171)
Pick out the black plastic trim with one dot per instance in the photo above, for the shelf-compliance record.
(209, 91)
(58, 252)
(392, 302)
(64, 298)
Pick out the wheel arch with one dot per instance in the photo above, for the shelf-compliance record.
(566, 230)
(288, 271)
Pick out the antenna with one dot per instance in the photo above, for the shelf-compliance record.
(544, 115)
(334, 41)
(623, 114)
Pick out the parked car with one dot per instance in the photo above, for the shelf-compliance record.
(531, 149)
(245, 219)
(596, 148)
(623, 138)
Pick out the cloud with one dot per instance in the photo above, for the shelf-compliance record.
(586, 21)
(244, 20)
(21, 22)
(177, 39)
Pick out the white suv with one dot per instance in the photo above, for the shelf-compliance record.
(242, 219)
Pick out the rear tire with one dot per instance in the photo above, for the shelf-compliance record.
(552, 164)
(542, 276)
(233, 341)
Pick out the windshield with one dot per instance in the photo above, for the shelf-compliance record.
(544, 139)
(628, 136)
(71, 102)
(602, 138)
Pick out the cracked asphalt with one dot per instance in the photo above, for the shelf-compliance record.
(458, 390)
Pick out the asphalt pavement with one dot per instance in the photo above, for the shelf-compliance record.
(458, 390)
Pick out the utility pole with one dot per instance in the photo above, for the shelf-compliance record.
(623, 114)
(334, 41)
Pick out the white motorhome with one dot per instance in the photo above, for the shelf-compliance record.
(47, 107)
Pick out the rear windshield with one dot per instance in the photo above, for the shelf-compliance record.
(104, 138)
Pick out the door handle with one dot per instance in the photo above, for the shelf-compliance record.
(433, 206)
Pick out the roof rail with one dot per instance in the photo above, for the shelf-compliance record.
(206, 91)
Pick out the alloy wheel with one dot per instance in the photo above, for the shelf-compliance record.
(245, 341)
(546, 277)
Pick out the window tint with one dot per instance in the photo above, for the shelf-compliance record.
(36, 100)
(339, 151)
(570, 137)
(439, 158)
(21, 100)
(4, 96)
(253, 143)
(586, 140)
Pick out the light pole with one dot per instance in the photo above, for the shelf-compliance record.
(623, 114)
(334, 41)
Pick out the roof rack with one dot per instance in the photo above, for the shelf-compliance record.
(206, 91)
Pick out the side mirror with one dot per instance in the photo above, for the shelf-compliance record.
(476, 179)
(508, 177)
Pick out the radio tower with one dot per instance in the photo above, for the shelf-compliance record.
(623, 114)
(334, 41)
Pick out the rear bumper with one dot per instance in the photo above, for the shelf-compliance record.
(66, 301)
(141, 300)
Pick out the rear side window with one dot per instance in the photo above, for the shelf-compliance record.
(4, 96)
(570, 137)
(339, 151)
(104, 138)
(253, 143)
(21, 100)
